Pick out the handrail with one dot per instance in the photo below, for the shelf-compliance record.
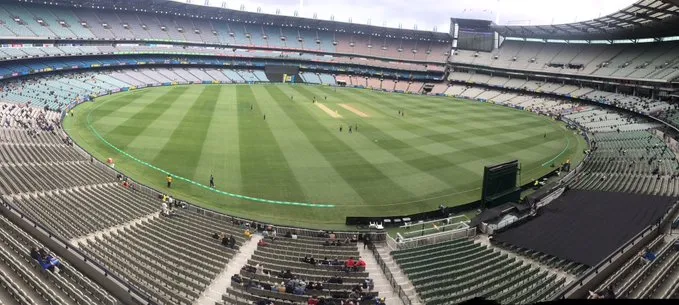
(390, 277)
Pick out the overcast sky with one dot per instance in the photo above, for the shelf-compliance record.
(427, 14)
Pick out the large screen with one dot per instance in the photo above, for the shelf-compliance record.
(475, 35)
(475, 39)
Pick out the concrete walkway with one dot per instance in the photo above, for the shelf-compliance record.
(382, 285)
(218, 287)
(399, 276)
(100, 233)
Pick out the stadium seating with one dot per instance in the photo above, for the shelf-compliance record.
(452, 272)
(27, 283)
(627, 61)
(285, 253)
(640, 279)
(634, 161)
(85, 23)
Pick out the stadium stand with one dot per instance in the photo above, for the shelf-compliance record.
(452, 272)
(625, 61)
(174, 260)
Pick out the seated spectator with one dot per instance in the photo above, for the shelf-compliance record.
(262, 243)
(281, 287)
(236, 278)
(312, 261)
(360, 264)
(318, 286)
(260, 269)
(647, 256)
(232, 242)
(35, 254)
(325, 261)
(299, 290)
(247, 234)
(335, 280)
(609, 293)
(286, 274)
(306, 259)
(350, 263)
(354, 239)
(225, 241)
(47, 261)
(313, 300)
(288, 234)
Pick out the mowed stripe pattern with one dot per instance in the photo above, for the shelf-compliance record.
(256, 141)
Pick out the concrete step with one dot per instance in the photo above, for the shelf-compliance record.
(213, 293)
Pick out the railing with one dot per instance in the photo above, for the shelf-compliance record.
(390, 277)
(430, 239)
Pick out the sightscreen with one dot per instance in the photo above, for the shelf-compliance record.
(499, 180)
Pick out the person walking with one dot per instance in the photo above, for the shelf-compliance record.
(212, 181)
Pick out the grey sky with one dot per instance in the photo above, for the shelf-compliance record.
(427, 14)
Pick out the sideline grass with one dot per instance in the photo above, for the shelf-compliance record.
(392, 165)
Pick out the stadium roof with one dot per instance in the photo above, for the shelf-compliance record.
(642, 19)
(192, 10)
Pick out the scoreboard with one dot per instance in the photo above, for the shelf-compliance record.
(472, 34)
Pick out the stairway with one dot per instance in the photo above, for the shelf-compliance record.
(401, 279)
(213, 293)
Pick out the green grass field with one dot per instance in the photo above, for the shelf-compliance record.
(393, 165)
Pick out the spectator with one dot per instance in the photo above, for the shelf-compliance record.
(360, 265)
(260, 269)
(247, 234)
(312, 261)
(35, 254)
(163, 209)
(371, 284)
(236, 278)
(232, 242)
(366, 241)
(313, 300)
(647, 256)
(350, 264)
(609, 293)
(262, 243)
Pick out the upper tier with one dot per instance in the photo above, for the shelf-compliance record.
(28, 21)
(644, 61)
